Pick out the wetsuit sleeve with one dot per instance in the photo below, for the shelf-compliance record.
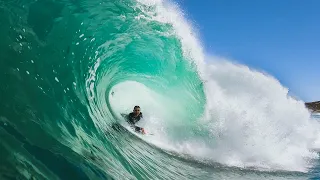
(139, 118)
(130, 119)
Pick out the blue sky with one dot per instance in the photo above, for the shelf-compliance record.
(281, 38)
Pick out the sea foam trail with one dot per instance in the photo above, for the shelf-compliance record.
(250, 118)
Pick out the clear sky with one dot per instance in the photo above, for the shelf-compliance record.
(279, 37)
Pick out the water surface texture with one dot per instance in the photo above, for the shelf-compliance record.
(69, 68)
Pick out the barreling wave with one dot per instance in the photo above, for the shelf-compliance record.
(76, 66)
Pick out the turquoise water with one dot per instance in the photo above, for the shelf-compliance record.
(70, 68)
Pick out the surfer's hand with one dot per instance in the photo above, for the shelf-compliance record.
(143, 131)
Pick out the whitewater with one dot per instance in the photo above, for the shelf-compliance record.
(69, 69)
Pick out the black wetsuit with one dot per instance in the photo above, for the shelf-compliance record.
(132, 119)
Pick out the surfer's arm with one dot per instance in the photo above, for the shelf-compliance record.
(138, 119)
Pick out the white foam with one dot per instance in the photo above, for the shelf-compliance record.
(251, 118)
(255, 122)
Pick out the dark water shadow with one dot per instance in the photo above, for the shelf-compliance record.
(56, 163)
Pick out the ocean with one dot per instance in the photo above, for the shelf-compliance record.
(70, 68)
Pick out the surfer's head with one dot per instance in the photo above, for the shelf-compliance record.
(136, 110)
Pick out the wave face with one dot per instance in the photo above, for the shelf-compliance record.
(70, 68)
